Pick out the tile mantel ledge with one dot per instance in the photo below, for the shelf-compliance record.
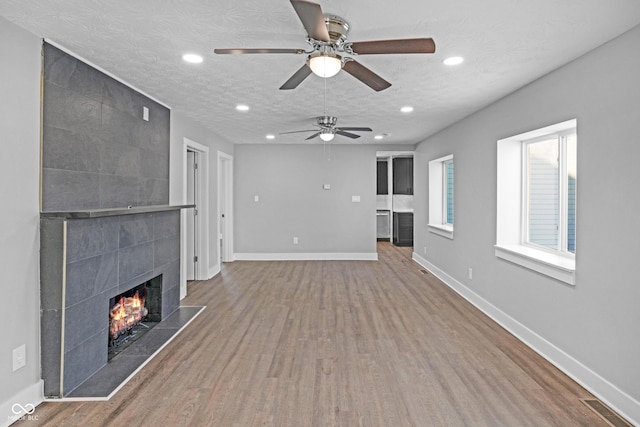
(98, 213)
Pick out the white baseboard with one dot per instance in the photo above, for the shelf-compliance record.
(352, 256)
(21, 403)
(618, 400)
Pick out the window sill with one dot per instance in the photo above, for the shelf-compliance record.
(559, 267)
(442, 230)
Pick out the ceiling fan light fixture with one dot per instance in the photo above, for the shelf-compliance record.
(326, 135)
(325, 64)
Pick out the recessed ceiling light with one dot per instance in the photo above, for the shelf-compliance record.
(454, 60)
(406, 109)
(271, 136)
(192, 58)
(242, 107)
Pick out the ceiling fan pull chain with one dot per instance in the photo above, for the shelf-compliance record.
(324, 113)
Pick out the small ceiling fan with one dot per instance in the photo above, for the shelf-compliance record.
(327, 37)
(327, 129)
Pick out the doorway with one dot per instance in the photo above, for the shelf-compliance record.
(195, 239)
(225, 208)
(394, 197)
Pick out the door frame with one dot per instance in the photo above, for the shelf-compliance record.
(192, 172)
(389, 156)
(225, 198)
(202, 202)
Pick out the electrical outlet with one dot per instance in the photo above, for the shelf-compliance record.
(19, 357)
(295, 240)
(145, 114)
(256, 199)
(425, 250)
(470, 273)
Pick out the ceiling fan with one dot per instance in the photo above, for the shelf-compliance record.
(327, 37)
(327, 129)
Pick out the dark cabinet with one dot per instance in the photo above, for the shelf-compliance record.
(403, 228)
(383, 178)
(403, 175)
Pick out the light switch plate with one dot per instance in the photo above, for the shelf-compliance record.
(355, 199)
(327, 187)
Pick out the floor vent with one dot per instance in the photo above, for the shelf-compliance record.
(605, 413)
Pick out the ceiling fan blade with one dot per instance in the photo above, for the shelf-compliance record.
(297, 78)
(298, 131)
(312, 136)
(358, 129)
(312, 19)
(244, 51)
(347, 134)
(366, 76)
(423, 45)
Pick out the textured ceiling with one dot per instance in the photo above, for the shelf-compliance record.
(506, 44)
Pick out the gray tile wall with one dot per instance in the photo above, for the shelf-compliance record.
(105, 256)
(97, 152)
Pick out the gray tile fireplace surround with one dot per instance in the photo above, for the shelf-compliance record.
(87, 258)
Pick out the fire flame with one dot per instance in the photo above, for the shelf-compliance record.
(125, 314)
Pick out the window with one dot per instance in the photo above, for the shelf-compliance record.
(441, 201)
(550, 203)
(536, 210)
(448, 192)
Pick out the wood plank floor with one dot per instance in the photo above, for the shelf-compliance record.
(336, 343)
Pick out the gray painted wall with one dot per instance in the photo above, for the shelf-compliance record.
(597, 322)
(289, 179)
(19, 236)
(97, 151)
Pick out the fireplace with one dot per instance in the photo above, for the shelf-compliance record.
(87, 260)
(133, 313)
(104, 228)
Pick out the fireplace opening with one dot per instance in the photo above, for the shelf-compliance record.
(133, 313)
